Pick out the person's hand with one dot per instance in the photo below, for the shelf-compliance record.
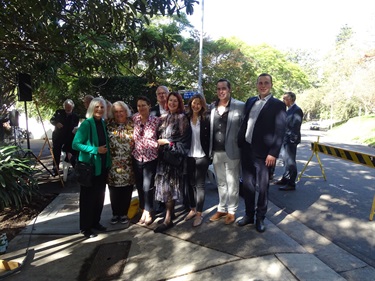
(102, 149)
(270, 161)
(75, 129)
(59, 125)
(163, 142)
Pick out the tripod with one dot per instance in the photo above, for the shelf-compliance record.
(30, 153)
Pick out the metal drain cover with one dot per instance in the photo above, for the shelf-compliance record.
(107, 262)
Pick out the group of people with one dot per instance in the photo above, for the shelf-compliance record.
(243, 141)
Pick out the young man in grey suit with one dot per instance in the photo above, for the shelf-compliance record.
(225, 118)
(292, 138)
(260, 138)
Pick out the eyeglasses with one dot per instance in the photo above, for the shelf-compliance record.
(142, 130)
(161, 93)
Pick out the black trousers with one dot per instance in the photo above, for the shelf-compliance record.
(120, 199)
(91, 200)
(254, 171)
(289, 152)
(145, 181)
(56, 150)
(197, 171)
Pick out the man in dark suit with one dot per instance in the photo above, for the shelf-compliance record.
(260, 138)
(65, 122)
(292, 138)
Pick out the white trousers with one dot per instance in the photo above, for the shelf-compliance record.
(227, 173)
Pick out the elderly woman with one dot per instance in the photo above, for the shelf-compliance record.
(145, 156)
(121, 176)
(91, 141)
(175, 133)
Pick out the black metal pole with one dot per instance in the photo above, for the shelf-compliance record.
(27, 127)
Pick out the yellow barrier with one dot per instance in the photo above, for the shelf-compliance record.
(356, 157)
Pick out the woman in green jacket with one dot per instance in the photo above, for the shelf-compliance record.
(91, 140)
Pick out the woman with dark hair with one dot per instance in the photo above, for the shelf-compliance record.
(145, 155)
(198, 156)
(175, 133)
(91, 140)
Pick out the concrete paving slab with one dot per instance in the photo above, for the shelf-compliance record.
(308, 268)
(286, 251)
(262, 268)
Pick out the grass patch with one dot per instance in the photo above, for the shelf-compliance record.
(358, 129)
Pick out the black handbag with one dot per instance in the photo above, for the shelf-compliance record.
(84, 173)
(172, 156)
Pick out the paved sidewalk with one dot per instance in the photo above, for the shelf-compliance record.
(51, 248)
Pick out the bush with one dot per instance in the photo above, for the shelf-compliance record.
(17, 183)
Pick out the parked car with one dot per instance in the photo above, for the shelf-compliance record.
(315, 126)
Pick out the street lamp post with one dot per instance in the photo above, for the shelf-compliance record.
(200, 89)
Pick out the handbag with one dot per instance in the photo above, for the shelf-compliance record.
(172, 156)
(85, 172)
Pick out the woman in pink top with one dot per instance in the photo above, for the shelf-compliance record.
(145, 155)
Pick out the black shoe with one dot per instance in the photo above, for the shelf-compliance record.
(280, 182)
(99, 227)
(259, 225)
(163, 227)
(287, 187)
(245, 220)
(88, 233)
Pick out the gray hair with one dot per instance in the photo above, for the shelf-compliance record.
(68, 101)
(124, 106)
(165, 88)
(93, 104)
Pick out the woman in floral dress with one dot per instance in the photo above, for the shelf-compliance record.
(174, 131)
(121, 178)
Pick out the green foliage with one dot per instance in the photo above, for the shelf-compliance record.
(57, 40)
(17, 183)
(126, 89)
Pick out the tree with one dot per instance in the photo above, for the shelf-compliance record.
(60, 40)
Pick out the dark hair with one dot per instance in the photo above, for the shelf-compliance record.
(181, 107)
(203, 103)
(224, 80)
(291, 95)
(146, 99)
(265, 74)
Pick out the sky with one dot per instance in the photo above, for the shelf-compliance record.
(284, 24)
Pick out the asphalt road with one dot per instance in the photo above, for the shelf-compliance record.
(339, 207)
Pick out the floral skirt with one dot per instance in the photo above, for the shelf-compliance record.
(168, 183)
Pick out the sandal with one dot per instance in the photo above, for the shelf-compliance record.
(149, 219)
(143, 218)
